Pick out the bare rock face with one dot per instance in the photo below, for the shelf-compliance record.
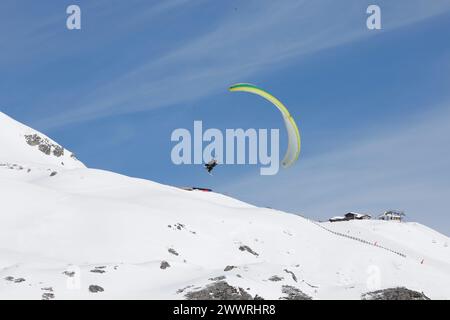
(173, 251)
(164, 265)
(44, 145)
(229, 268)
(33, 139)
(48, 296)
(294, 277)
(95, 289)
(58, 151)
(98, 271)
(249, 250)
(276, 278)
(44, 148)
(399, 293)
(220, 290)
(219, 278)
(293, 293)
(70, 274)
(15, 280)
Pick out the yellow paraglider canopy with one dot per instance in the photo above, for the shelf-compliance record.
(294, 141)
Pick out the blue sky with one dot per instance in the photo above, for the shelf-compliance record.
(373, 107)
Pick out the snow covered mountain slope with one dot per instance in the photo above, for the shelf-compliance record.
(413, 239)
(22, 145)
(69, 232)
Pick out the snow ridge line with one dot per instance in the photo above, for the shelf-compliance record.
(354, 238)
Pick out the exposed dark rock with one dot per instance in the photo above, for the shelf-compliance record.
(164, 265)
(220, 278)
(45, 149)
(19, 280)
(172, 251)
(219, 291)
(54, 173)
(248, 249)
(12, 166)
(179, 226)
(58, 151)
(184, 289)
(293, 293)
(44, 145)
(98, 271)
(48, 296)
(399, 293)
(69, 273)
(9, 278)
(33, 140)
(294, 277)
(229, 268)
(276, 278)
(95, 289)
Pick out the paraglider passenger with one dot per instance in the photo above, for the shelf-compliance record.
(211, 165)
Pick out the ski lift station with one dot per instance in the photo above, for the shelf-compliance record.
(392, 215)
(351, 216)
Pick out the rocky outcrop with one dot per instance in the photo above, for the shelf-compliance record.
(229, 268)
(95, 289)
(249, 250)
(15, 280)
(44, 145)
(220, 290)
(399, 293)
(294, 277)
(293, 293)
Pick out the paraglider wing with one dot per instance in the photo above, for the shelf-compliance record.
(294, 141)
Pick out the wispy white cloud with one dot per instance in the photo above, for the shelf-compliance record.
(255, 38)
(396, 167)
(36, 34)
